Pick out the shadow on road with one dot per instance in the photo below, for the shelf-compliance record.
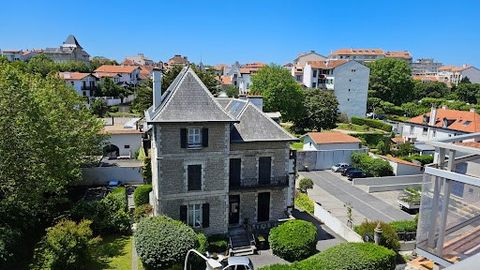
(321, 233)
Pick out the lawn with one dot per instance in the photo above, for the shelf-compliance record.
(297, 146)
(114, 252)
(353, 127)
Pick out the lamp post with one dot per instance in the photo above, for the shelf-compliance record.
(211, 263)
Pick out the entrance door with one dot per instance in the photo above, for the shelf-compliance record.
(234, 209)
(263, 207)
(264, 170)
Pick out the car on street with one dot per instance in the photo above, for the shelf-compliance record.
(337, 167)
(347, 170)
(356, 174)
(238, 263)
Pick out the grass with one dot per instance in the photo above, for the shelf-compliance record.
(297, 146)
(357, 128)
(113, 252)
(303, 202)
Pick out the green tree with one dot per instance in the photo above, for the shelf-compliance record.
(144, 98)
(99, 107)
(231, 90)
(108, 88)
(280, 91)
(41, 64)
(320, 110)
(391, 80)
(206, 76)
(430, 89)
(468, 92)
(47, 134)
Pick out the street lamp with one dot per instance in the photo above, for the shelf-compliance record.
(211, 263)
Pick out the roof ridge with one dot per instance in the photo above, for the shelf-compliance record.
(173, 85)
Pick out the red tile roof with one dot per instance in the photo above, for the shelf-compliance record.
(400, 161)
(116, 69)
(226, 80)
(358, 52)
(74, 76)
(332, 137)
(466, 121)
(453, 68)
(251, 67)
(398, 54)
(327, 64)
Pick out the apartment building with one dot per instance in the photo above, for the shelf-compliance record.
(346, 78)
(425, 66)
(369, 55)
(453, 75)
(240, 75)
(217, 163)
(84, 83)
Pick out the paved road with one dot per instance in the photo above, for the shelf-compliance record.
(366, 204)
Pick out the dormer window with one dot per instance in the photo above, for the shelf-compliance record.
(194, 137)
(466, 123)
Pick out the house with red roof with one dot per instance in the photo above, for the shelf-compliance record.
(128, 75)
(84, 83)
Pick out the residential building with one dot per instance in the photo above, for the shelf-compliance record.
(70, 50)
(440, 123)
(347, 79)
(454, 75)
(178, 60)
(84, 83)
(138, 60)
(217, 163)
(124, 137)
(425, 66)
(448, 231)
(17, 55)
(128, 75)
(244, 81)
(303, 58)
(360, 55)
(400, 55)
(329, 141)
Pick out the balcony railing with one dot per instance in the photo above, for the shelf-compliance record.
(251, 183)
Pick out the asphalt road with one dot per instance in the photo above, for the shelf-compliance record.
(366, 204)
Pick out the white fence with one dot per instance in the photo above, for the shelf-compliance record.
(99, 176)
(324, 159)
(388, 183)
(335, 224)
(112, 101)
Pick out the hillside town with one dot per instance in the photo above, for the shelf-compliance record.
(361, 158)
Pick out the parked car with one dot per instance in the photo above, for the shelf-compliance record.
(338, 166)
(356, 174)
(238, 263)
(347, 170)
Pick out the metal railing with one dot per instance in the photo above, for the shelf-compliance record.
(246, 183)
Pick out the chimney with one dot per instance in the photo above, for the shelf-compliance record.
(473, 110)
(433, 116)
(444, 107)
(445, 122)
(257, 101)
(157, 87)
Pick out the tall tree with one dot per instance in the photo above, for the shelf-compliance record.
(430, 89)
(320, 111)
(108, 88)
(280, 91)
(47, 134)
(468, 92)
(144, 98)
(391, 80)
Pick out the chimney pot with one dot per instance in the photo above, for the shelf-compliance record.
(444, 107)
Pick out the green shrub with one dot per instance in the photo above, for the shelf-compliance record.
(351, 256)
(217, 243)
(371, 139)
(389, 236)
(141, 194)
(9, 246)
(109, 215)
(293, 240)
(142, 211)
(371, 123)
(371, 166)
(202, 243)
(423, 159)
(303, 202)
(304, 184)
(162, 242)
(404, 149)
(404, 225)
(67, 245)
(278, 267)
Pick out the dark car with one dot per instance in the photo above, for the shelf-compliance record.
(356, 174)
(347, 170)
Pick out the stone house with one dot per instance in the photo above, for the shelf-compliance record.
(217, 163)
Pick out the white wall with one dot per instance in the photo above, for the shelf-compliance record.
(417, 131)
(309, 145)
(335, 224)
(77, 85)
(351, 88)
(121, 140)
(307, 75)
(404, 169)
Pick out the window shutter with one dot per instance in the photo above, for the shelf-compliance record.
(183, 138)
(205, 215)
(183, 213)
(205, 137)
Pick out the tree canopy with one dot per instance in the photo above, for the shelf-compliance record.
(430, 89)
(320, 110)
(280, 91)
(206, 76)
(390, 80)
(468, 92)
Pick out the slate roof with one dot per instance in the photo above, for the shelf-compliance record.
(71, 40)
(187, 99)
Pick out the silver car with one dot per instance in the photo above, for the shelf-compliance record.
(338, 166)
(238, 263)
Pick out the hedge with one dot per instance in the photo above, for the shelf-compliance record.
(304, 184)
(389, 236)
(141, 194)
(423, 159)
(303, 202)
(162, 242)
(293, 240)
(371, 139)
(351, 256)
(217, 243)
(142, 211)
(371, 123)
(371, 166)
(404, 225)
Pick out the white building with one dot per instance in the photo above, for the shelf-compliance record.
(138, 59)
(425, 66)
(314, 141)
(125, 136)
(303, 58)
(453, 75)
(369, 55)
(84, 83)
(347, 79)
(439, 124)
(128, 75)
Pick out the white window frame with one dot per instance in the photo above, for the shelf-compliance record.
(194, 137)
(193, 212)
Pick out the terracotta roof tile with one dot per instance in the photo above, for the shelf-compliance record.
(331, 137)
(359, 52)
(400, 161)
(226, 80)
(398, 54)
(466, 121)
(116, 69)
(74, 76)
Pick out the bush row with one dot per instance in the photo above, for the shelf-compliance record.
(371, 166)
(389, 236)
(371, 123)
(404, 225)
(303, 202)
(351, 256)
(293, 240)
(141, 194)
(423, 159)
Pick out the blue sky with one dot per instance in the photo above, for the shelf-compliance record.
(267, 31)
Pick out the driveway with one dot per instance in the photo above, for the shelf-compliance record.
(366, 204)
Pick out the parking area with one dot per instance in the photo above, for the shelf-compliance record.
(333, 191)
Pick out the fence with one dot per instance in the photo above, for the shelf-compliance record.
(387, 183)
(111, 101)
(335, 224)
(324, 159)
